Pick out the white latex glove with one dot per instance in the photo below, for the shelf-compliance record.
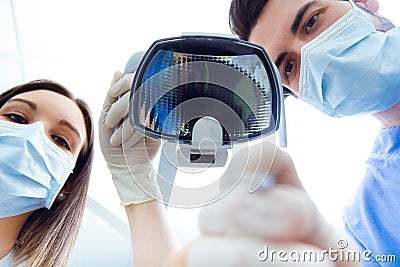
(128, 153)
(282, 213)
(283, 217)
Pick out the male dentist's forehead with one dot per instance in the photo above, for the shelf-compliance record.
(281, 30)
(273, 28)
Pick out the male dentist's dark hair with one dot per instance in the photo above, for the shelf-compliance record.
(244, 14)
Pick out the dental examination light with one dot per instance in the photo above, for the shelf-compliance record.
(203, 94)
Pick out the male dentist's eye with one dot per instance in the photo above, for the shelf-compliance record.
(16, 118)
(310, 23)
(287, 69)
(61, 142)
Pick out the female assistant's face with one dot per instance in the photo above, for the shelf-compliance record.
(63, 121)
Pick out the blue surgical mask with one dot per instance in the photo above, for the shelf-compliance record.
(32, 168)
(350, 68)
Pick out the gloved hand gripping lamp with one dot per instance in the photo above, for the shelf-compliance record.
(204, 94)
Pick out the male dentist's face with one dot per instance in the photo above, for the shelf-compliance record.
(285, 26)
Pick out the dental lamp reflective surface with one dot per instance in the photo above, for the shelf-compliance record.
(203, 94)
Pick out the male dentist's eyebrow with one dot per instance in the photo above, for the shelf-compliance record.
(31, 105)
(300, 14)
(280, 58)
(71, 127)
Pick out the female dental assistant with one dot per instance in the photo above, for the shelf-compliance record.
(46, 144)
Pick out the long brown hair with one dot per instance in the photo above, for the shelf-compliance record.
(48, 236)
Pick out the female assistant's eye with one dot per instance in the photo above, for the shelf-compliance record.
(287, 69)
(16, 118)
(61, 141)
(310, 23)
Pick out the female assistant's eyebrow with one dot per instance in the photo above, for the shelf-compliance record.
(71, 127)
(300, 14)
(31, 105)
